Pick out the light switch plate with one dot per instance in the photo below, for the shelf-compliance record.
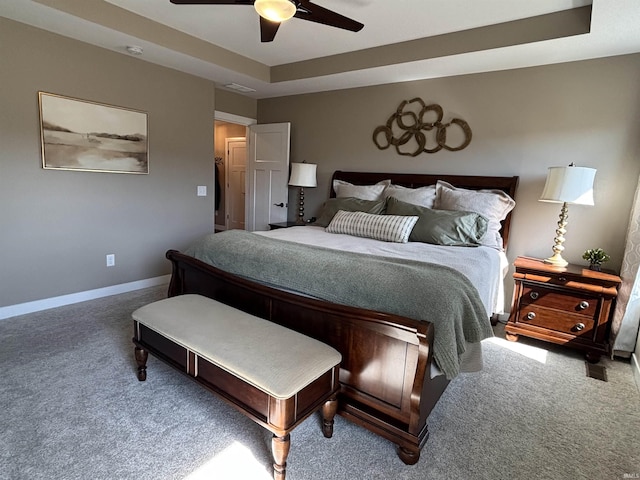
(202, 190)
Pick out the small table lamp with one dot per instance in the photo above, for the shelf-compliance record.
(302, 175)
(567, 185)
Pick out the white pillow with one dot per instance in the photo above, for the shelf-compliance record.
(365, 192)
(423, 196)
(492, 204)
(388, 228)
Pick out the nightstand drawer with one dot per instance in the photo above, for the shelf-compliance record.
(568, 305)
(559, 321)
(562, 300)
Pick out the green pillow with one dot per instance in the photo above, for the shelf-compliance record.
(441, 227)
(348, 204)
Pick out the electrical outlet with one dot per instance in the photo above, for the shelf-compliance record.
(111, 260)
(202, 190)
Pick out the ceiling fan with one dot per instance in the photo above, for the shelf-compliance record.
(274, 12)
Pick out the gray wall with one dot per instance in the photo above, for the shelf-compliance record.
(523, 122)
(57, 226)
(230, 102)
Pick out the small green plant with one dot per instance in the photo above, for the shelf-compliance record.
(596, 256)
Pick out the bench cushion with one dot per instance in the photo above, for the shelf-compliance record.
(275, 359)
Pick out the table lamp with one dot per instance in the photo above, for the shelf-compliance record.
(302, 175)
(567, 185)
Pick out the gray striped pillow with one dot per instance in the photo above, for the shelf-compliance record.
(388, 228)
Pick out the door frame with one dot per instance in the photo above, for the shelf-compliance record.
(232, 118)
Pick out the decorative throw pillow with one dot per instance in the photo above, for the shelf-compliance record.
(388, 228)
(492, 204)
(365, 192)
(424, 196)
(441, 227)
(348, 204)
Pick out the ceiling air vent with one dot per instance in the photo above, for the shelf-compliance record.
(239, 88)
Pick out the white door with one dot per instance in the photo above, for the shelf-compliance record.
(235, 187)
(267, 175)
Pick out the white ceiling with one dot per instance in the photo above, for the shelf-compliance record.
(614, 31)
(235, 27)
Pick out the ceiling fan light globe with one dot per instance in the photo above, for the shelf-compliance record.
(275, 10)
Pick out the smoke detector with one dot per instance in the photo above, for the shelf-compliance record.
(134, 50)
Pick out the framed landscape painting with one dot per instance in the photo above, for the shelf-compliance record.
(89, 136)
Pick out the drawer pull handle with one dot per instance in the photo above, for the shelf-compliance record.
(562, 279)
(583, 305)
(534, 295)
(578, 327)
(531, 316)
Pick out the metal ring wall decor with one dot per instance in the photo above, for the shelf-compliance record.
(413, 125)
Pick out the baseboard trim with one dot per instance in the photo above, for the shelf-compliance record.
(635, 365)
(45, 304)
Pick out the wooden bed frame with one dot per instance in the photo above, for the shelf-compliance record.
(385, 378)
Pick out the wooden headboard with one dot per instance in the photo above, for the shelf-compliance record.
(416, 180)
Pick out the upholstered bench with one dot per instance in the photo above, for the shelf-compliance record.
(273, 375)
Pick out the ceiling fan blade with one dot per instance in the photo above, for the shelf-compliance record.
(315, 13)
(268, 30)
(212, 2)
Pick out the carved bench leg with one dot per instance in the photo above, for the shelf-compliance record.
(409, 456)
(141, 359)
(329, 410)
(280, 450)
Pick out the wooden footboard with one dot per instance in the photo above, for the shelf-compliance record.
(385, 373)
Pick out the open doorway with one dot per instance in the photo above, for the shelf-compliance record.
(227, 126)
(265, 178)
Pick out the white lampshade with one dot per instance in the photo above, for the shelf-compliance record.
(569, 185)
(275, 10)
(303, 175)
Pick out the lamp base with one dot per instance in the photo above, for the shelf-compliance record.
(300, 219)
(556, 260)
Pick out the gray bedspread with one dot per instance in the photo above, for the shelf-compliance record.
(429, 292)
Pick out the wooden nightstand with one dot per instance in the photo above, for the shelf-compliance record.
(569, 305)
(274, 226)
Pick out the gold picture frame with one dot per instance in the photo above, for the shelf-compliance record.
(92, 137)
